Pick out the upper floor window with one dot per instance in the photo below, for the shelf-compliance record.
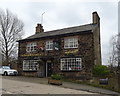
(70, 43)
(49, 45)
(31, 47)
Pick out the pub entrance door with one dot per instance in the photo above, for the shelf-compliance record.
(48, 69)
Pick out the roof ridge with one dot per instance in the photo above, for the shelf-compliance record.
(67, 30)
(70, 27)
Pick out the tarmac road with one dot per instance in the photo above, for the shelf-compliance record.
(20, 87)
(33, 85)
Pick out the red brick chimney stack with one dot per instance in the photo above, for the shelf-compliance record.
(39, 28)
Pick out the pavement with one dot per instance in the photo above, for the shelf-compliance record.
(70, 85)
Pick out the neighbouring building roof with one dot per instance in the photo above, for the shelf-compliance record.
(63, 31)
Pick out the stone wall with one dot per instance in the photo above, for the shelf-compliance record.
(85, 50)
(112, 83)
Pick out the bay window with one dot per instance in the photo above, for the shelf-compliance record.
(71, 64)
(30, 65)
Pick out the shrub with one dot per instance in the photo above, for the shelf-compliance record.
(101, 70)
(56, 76)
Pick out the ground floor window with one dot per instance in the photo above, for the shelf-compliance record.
(30, 65)
(71, 64)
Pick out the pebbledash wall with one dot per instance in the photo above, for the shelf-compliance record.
(71, 51)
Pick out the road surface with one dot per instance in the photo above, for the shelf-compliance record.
(21, 87)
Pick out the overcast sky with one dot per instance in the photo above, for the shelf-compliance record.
(66, 13)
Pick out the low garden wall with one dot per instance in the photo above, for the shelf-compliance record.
(112, 83)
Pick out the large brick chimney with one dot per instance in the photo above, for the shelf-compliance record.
(96, 18)
(39, 28)
(97, 41)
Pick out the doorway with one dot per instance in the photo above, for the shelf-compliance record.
(48, 69)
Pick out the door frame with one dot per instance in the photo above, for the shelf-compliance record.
(46, 68)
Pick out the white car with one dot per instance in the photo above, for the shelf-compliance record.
(6, 70)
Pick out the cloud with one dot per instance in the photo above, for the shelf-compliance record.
(60, 14)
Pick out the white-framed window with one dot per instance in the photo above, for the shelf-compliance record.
(49, 45)
(70, 43)
(71, 64)
(30, 65)
(31, 47)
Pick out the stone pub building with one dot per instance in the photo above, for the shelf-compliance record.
(71, 51)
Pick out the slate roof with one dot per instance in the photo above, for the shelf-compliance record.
(63, 31)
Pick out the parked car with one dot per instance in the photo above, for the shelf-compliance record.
(6, 70)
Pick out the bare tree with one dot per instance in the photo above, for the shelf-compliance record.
(115, 55)
(11, 29)
(118, 47)
(113, 59)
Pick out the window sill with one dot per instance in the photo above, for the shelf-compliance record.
(29, 70)
(49, 49)
(31, 52)
(71, 48)
(71, 70)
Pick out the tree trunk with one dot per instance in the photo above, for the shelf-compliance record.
(6, 54)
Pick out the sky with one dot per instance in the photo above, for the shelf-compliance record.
(60, 14)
